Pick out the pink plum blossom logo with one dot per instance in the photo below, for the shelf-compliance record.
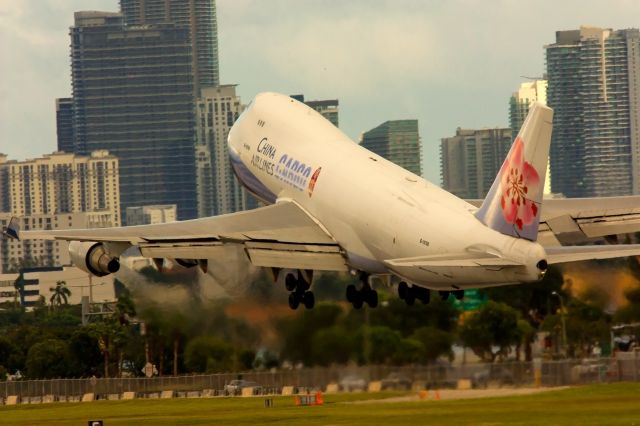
(519, 184)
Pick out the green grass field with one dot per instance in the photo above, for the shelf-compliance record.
(616, 404)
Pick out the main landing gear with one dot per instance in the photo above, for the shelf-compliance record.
(365, 295)
(458, 294)
(412, 293)
(300, 294)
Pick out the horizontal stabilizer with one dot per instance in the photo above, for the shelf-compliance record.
(562, 254)
(463, 261)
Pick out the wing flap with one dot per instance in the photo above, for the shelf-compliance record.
(324, 261)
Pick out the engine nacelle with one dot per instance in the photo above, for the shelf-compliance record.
(92, 257)
(187, 263)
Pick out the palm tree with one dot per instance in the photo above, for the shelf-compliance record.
(18, 284)
(60, 293)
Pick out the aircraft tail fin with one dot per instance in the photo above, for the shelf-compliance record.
(512, 206)
(13, 229)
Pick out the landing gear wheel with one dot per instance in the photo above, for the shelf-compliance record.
(294, 301)
(403, 290)
(410, 299)
(303, 285)
(371, 297)
(351, 293)
(357, 300)
(459, 294)
(444, 295)
(290, 282)
(426, 297)
(309, 300)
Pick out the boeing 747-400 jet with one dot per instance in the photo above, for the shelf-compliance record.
(334, 206)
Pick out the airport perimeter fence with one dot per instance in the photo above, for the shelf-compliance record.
(439, 376)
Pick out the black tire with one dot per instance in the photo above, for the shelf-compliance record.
(351, 292)
(459, 294)
(357, 300)
(372, 298)
(294, 301)
(444, 295)
(309, 300)
(303, 285)
(403, 290)
(290, 282)
(411, 297)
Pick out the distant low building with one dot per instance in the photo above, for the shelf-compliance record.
(148, 215)
(38, 283)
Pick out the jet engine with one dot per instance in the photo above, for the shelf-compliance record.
(92, 257)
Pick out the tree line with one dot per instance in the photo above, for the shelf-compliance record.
(207, 337)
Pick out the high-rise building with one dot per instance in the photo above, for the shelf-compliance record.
(327, 108)
(219, 191)
(62, 183)
(64, 124)
(470, 160)
(594, 85)
(133, 95)
(199, 16)
(398, 141)
(57, 191)
(529, 92)
(15, 254)
(519, 104)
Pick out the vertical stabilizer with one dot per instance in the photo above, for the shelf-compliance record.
(514, 201)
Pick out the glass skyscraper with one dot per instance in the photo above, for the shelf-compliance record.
(64, 124)
(398, 141)
(199, 16)
(593, 86)
(133, 95)
(470, 160)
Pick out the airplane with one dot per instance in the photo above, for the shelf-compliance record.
(332, 205)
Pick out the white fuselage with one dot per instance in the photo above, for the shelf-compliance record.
(374, 209)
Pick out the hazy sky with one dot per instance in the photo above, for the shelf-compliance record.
(449, 64)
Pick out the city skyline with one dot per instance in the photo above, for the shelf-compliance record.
(343, 50)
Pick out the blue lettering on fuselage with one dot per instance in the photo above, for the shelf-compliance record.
(293, 172)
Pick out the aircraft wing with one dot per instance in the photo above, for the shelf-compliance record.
(576, 220)
(562, 254)
(282, 235)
